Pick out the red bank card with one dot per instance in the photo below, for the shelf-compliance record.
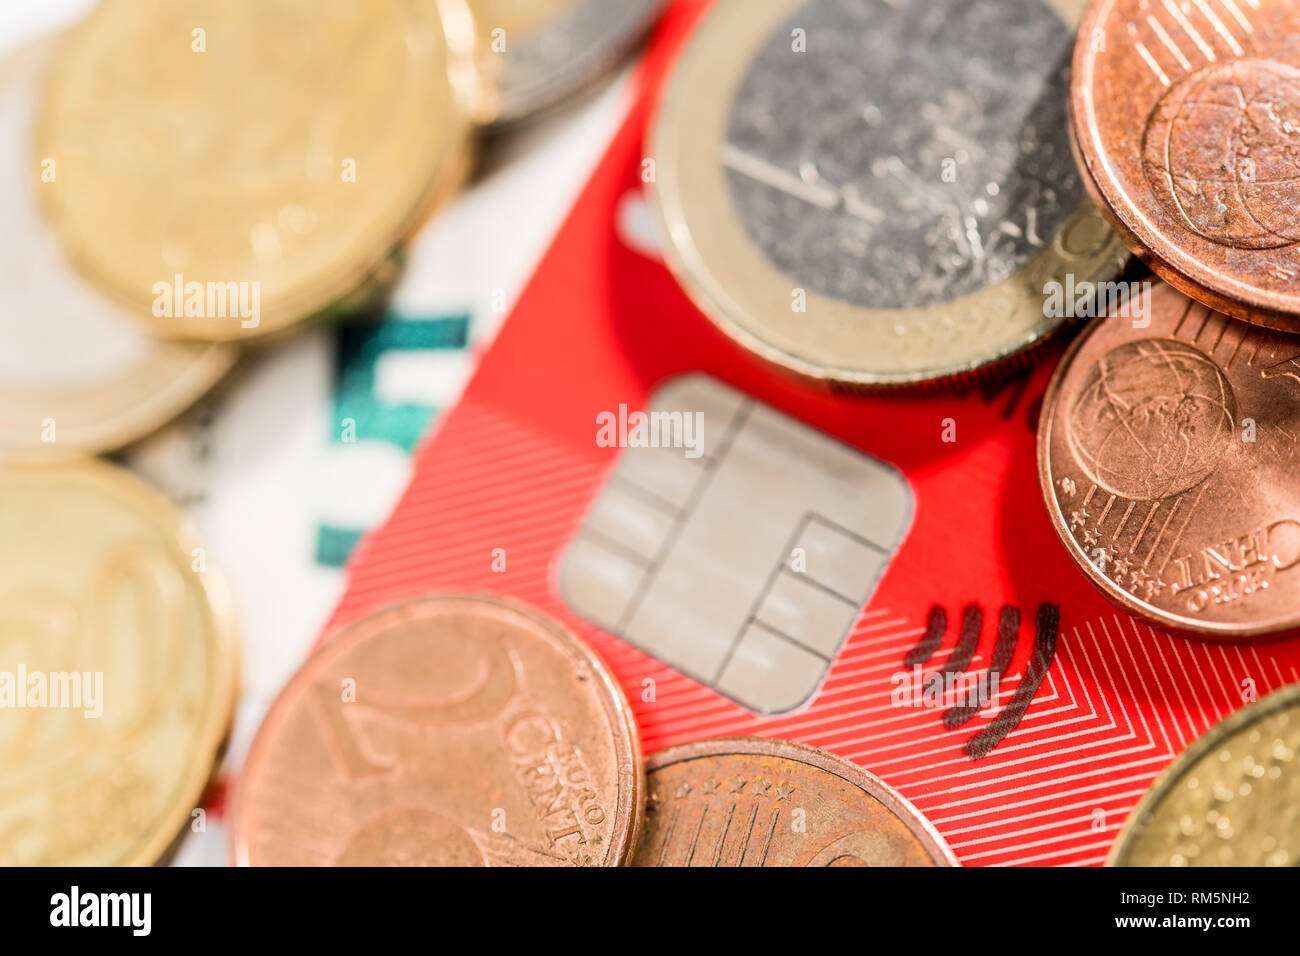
(693, 559)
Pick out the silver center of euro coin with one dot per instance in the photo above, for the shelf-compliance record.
(904, 153)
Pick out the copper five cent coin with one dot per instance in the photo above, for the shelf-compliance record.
(1186, 119)
(451, 730)
(750, 801)
(1166, 454)
(1231, 799)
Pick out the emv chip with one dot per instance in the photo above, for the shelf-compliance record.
(734, 543)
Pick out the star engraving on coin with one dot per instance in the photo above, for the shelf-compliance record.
(1142, 583)
(1119, 567)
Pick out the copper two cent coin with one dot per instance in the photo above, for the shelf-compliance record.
(1186, 119)
(1167, 454)
(451, 730)
(750, 801)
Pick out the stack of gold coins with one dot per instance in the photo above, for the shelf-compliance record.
(183, 180)
(187, 178)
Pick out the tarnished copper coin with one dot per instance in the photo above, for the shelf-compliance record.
(448, 731)
(1186, 120)
(1231, 799)
(1166, 454)
(750, 801)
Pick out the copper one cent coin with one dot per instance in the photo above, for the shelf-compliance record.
(1166, 453)
(448, 731)
(750, 801)
(1186, 119)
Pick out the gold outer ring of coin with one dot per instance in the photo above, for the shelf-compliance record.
(248, 816)
(1136, 828)
(203, 750)
(305, 245)
(104, 414)
(893, 801)
(747, 297)
(113, 414)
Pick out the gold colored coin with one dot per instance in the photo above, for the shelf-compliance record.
(1231, 799)
(117, 668)
(77, 376)
(228, 169)
(878, 195)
